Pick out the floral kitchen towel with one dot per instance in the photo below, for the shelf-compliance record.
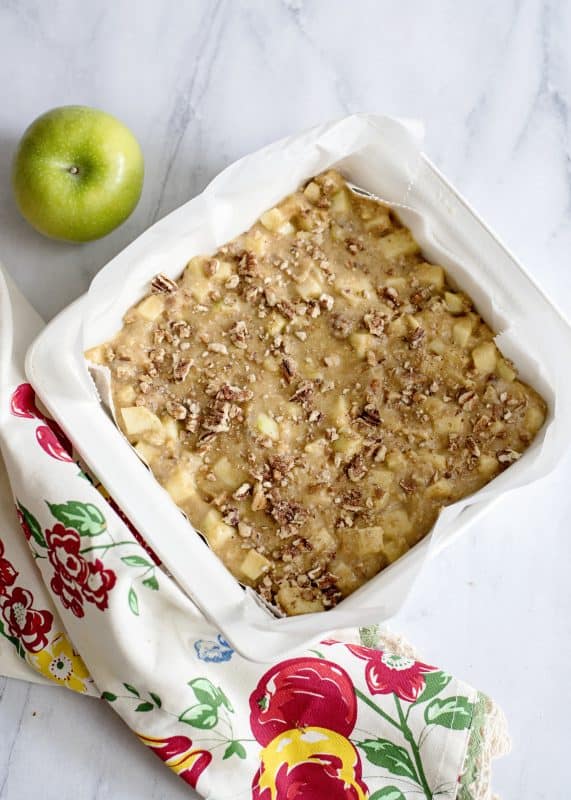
(89, 607)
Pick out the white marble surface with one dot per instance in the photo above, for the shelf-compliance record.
(202, 83)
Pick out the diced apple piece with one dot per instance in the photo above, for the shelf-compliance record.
(395, 460)
(273, 219)
(227, 474)
(485, 357)
(381, 476)
(394, 547)
(275, 324)
(534, 419)
(449, 423)
(379, 223)
(397, 327)
(398, 283)
(195, 280)
(138, 420)
(96, 355)
(126, 394)
(399, 243)
(151, 307)
(340, 202)
(312, 191)
(147, 451)
(455, 302)
(271, 364)
(310, 288)
(181, 485)
(290, 599)
(216, 530)
(430, 274)
(368, 540)
(322, 541)
(441, 490)
(254, 565)
(462, 331)
(170, 428)
(340, 411)
(347, 445)
(267, 426)
(488, 466)
(257, 242)
(337, 233)
(437, 346)
(505, 370)
(347, 581)
(362, 343)
(224, 271)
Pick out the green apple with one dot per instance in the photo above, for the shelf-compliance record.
(78, 173)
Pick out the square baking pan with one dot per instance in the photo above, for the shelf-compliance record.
(59, 373)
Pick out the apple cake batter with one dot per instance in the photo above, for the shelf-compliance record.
(313, 393)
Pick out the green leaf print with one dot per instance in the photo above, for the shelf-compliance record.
(131, 689)
(156, 699)
(133, 601)
(435, 682)
(145, 707)
(109, 696)
(85, 518)
(234, 749)
(224, 700)
(151, 583)
(33, 526)
(390, 756)
(205, 691)
(136, 561)
(200, 716)
(388, 793)
(16, 642)
(451, 712)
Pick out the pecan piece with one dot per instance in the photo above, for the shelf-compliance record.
(162, 284)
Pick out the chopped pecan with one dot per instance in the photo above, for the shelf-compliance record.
(176, 410)
(286, 309)
(181, 368)
(259, 499)
(341, 325)
(408, 485)
(217, 417)
(162, 284)
(415, 338)
(289, 368)
(181, 329)
(390, 294)
(242, 491)
(233, 393)
(248, 265)
(356, 469)
(370, 415)
(375, 323)
(303, 392)
(507, 456)
(238, 334)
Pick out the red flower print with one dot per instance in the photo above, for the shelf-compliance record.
(50, 444)
(25, 623)
(7, 572)
(177, 753)
(98, 584)
(23, 402)
(300, 692)
(71, 568)
(75, 579)
(387, 673)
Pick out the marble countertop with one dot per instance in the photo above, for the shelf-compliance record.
(202, 83)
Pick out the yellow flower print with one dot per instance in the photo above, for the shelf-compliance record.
(61, 664)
